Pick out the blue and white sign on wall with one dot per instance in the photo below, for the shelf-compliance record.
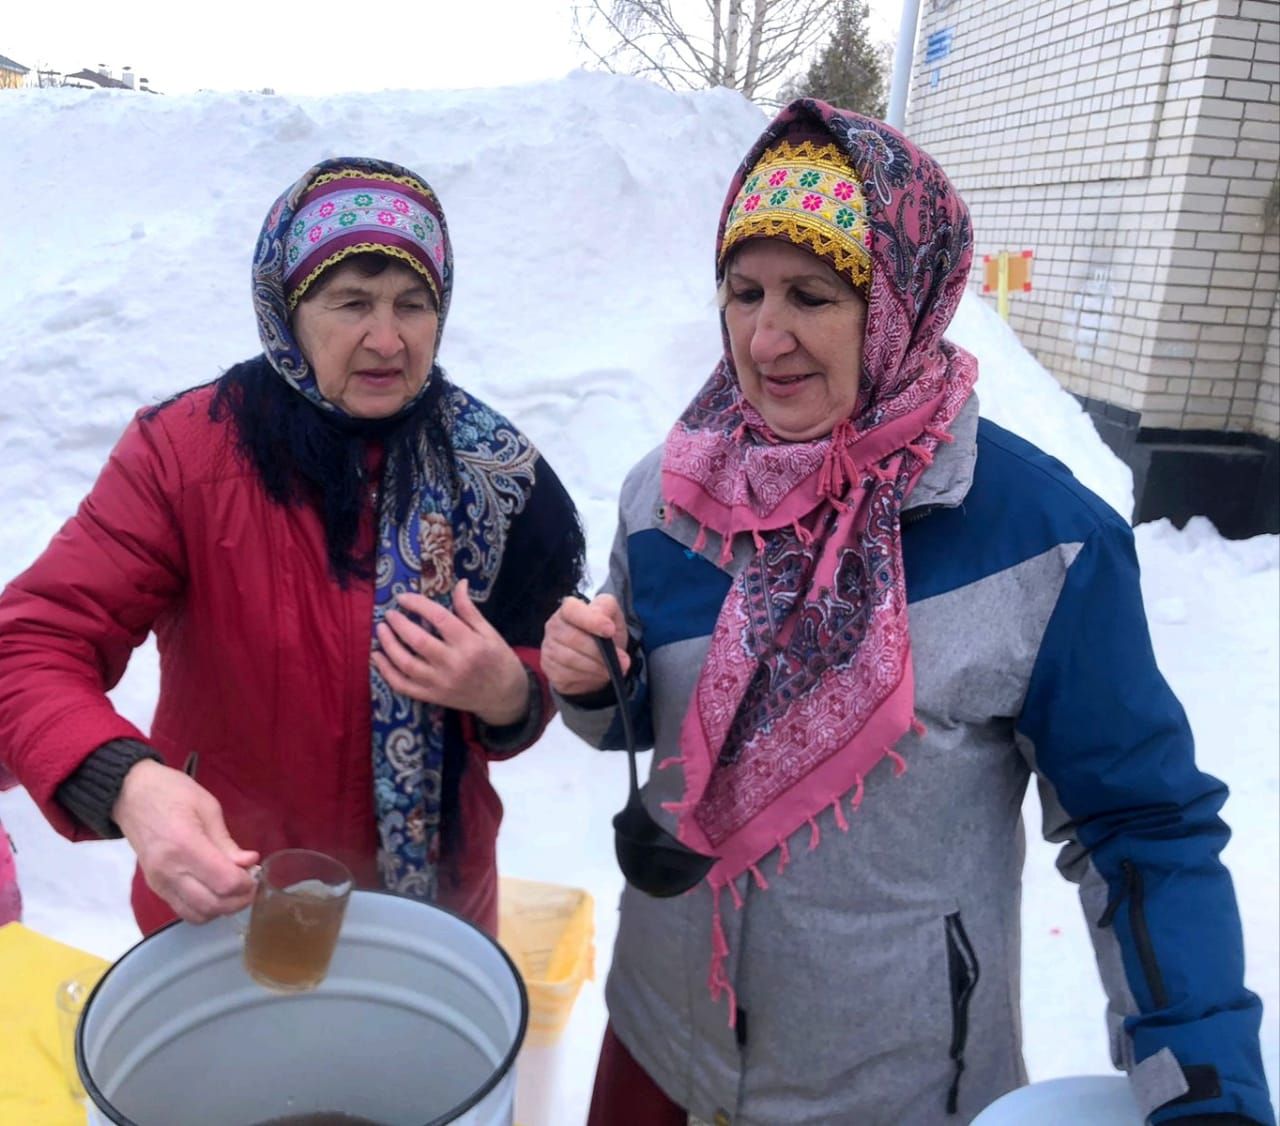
(938, 45)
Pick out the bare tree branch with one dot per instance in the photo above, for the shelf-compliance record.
(743, 44)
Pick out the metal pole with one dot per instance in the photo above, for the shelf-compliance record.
(903, 56)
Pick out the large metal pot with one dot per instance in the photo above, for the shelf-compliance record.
(418, 1022)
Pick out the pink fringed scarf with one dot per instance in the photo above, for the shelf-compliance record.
(808, 683)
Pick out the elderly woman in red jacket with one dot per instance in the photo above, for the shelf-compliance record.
(346, 561)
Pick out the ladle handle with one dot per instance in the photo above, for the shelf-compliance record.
(610, 656)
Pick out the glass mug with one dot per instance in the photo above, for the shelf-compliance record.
(70, 998)
(295, 918)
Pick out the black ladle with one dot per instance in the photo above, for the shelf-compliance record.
(651, 859)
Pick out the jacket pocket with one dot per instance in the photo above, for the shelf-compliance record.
(962, 973)
(1132, 889)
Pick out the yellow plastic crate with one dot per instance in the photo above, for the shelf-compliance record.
(549, 931)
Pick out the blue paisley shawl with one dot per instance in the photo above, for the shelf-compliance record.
(448, 534)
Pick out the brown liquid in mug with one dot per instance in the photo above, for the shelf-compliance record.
(291, 939)
(319, 1118)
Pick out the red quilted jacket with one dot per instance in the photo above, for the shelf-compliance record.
(264, 659)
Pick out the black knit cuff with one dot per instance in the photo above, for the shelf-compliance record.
(90, 793)
(511, 737)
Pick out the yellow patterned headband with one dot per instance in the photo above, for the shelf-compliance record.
(806, 194)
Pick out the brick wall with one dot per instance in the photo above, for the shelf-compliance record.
(1131, 144)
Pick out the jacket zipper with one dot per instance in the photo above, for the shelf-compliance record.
(962, 970)
(1141, 933)
(914, 515)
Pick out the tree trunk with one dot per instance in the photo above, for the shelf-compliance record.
(753, 48)
(731, 32)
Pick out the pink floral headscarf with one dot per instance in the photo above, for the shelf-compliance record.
(807, 685)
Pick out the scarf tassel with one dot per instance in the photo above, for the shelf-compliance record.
(857, 793)
(726, 547)
(717, 980)
(841, 820)
(737, 896)
(802, 533)
(784, 857)
(670, 760)
(701, 540)
(899, 763)
(918, 728)
(758, 538)
(758, 876)
(926, 458)
(815, 835)
(941, 435)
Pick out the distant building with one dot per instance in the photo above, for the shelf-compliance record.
(101, 78)
(12, 75)
(1134, 147)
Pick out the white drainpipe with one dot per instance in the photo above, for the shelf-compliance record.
(903, 57)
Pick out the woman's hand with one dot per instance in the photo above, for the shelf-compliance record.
(570, 653)
(183, 847)
(464, 664)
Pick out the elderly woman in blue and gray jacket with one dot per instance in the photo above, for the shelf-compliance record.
(855, 619)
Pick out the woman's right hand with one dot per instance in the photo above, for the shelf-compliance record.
(183, 847)
(570, 653)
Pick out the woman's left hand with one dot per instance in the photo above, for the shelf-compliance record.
(464, 664)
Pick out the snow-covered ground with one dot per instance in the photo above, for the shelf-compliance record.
(583, 213)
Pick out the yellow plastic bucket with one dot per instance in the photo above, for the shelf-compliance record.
(549, 932)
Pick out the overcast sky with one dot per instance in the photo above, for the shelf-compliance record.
(313, 48)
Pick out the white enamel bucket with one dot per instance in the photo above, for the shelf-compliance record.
(1099, 1100)
(418, 1023)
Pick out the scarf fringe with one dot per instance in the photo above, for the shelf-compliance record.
(838, 469)
(758, 876)
(944, 436)
(726, 547)
(717, 980)
(784, 856)
(899, 763)
(802, 533)
(925, 457)
(841, 820)
(700, 541)
(856, 801)
(670, 760)
(815, 834)
(736, 896)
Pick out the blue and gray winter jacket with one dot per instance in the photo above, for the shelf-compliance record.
(877, 979)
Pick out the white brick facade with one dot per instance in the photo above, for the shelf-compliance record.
(1132, 145)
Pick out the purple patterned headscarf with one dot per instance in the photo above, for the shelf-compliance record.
(807, 685)
(377, 224)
